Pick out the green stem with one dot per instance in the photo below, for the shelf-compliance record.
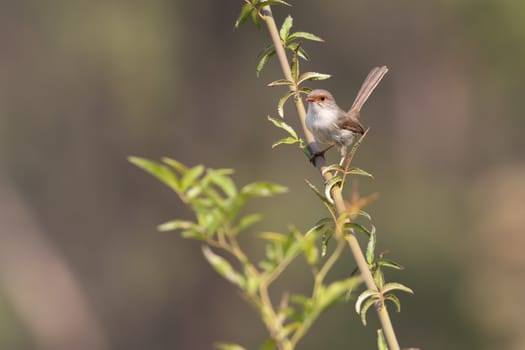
(285, 66)
(320, 164)
(319, 278)
(262, 302)
(271, 320)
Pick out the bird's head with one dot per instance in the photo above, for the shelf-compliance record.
(321, 98)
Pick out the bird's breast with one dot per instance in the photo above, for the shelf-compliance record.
(322, 124)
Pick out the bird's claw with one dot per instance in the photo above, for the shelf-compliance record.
(317, 154)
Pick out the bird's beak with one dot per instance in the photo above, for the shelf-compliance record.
(310, 99)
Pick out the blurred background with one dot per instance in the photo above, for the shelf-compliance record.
(85, 84)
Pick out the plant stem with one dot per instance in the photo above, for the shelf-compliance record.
(328, 265)
(301, 331)
(320, 164)
(285, 66)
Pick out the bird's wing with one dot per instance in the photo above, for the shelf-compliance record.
(351, 124)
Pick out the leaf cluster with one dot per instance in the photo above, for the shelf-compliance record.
(291, 42)
(212, 195)
(254, 9)
(218, 203)
(384, 290)
(218, 206)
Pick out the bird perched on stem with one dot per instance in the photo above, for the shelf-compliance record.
(330, 124)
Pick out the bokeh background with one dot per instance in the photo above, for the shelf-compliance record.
(84, 84)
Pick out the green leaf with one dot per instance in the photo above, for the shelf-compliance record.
(263, 189)
(263, 61)
(281, 82)
(161, 172)
(334, 181)
(353, 226)
(302, 53)
(311, 252)
(379, 278)
(248, 220)
(256, 19)
(290, 312)
(176, 225)
(357, 144)
(335, 290)
(323, 226)
(369, 293)
(320, 225)
(277, 2)
(181, 168)
(390, 263)
(228, 346)
(396, 286)
(282, 100)
(243, 16)
(325, 200)
(223, 267)
(365, 307)
(285, 28)
(267, 266)
(252, 280)
(305, 90)
(305, 35)
(317, 192)
(286, 141)
(289, 328)
(301, 300)
(324, 242)
(333, 167)
(224, 182)
(282, 125)
(298, 50)
(371, 247)
(381, 342)
(193, 192)
(209, 220)
(269, 344)
(191, 176)
(364, 214)
(312, 76)
(211, 197)
(194, 234)
(266, 50)
(394, 299)
(295, 64)
(357, 171)
(273, 236)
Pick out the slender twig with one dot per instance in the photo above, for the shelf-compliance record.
(319, 278)
(351, 155)
(261, 300)
(320, 164)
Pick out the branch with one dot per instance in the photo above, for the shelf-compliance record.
(320, 164)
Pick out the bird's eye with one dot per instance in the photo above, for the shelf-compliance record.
(322, 98)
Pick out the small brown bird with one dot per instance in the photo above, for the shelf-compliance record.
(330, 124)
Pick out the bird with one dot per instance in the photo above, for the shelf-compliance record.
(333, 126)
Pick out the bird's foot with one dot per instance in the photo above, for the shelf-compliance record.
(317, 154)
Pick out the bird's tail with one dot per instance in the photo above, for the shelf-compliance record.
(370, 83)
